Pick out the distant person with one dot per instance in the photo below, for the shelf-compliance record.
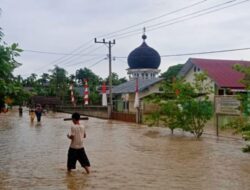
(32, 115)
(20, 109)
(38, 112)
(6, 108)
(76, 150)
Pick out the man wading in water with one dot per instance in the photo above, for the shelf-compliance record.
(38, 112)
(76, 149)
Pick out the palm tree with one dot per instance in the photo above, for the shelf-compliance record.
(59, 82)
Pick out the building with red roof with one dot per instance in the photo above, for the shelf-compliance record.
(222, 77)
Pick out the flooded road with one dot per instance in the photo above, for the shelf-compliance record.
(122, 155)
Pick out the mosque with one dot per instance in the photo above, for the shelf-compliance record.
(143, 63)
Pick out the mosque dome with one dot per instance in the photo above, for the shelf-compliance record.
(144, 57)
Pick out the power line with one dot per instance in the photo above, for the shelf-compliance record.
(135, 32)
(82, 62)
(96, 62)
(67, 60)
(71, 58)
(76, 49)
(183, 16)
(61, 58)
(149, 20)
(208, 12)
(152, 19)
(146, 21)
(206, 52)
(58, 53)
(194, 53)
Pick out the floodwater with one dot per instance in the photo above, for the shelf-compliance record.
(122, 155)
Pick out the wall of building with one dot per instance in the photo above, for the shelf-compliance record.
(92, 111)
(190, 77)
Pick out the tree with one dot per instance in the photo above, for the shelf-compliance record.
(93, 82)
(72, 77)
(115, 79)
(172, 72)
(182, 107)
(9, 87)
(58, 83)
(242, 123)
(44, 79)
(31, 80)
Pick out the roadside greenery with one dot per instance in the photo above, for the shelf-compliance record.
(18, 90)
(183, 105)
(241, 124)
(11, 90)
(56, 83)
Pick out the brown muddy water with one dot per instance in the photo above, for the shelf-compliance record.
(122, 155)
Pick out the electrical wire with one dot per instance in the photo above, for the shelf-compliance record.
(208, 12)
(138, 31)
(68, 61)
(97, 62)
(59, 53)
(166, 14)
(152, 19)
(68, 56)
(63, 57)
(82, 62)
(193, 53)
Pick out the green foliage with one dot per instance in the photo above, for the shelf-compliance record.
(246, 149)
(197, 113)
(172, 116)
(93, 82)
(246, 71)
(201, 84)
(115, 79)
(153, 119)
(58, 83)
(242, 123)
(172, 72)
(9, 87)
(182, 107)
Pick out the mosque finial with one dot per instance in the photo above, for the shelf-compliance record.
(144, 37)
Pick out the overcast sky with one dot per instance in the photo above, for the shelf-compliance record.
(70, 26)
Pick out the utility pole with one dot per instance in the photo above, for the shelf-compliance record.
(109, 43)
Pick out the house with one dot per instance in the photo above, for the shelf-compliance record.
(224, 80)
(124, 94)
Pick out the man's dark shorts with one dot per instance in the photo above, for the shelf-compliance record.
(77, 154)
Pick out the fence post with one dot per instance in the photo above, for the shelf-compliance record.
(138, 115)
(109, 111)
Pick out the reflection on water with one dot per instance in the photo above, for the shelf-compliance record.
(123, 156)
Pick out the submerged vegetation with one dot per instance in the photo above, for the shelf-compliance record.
(241, 124)
(183, 105)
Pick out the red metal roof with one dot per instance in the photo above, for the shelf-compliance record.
(221, 71)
